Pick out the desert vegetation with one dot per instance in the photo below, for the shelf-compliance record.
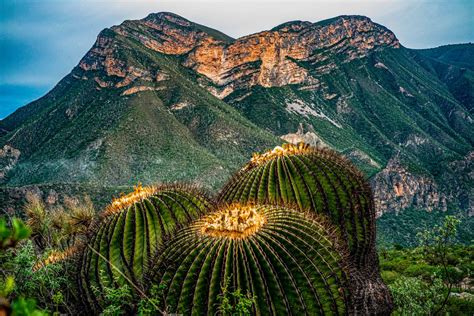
(293, 232)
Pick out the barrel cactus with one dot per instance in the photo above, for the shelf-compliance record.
(128, 234)
(291, 263)
(320, 181)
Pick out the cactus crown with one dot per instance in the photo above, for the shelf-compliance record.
(234, 221)
(278, 151)
(126, 200)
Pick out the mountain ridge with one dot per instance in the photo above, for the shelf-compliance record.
(150, 90)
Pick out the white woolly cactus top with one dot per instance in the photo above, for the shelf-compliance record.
(234, 221)
(278, 151)
(128, 200)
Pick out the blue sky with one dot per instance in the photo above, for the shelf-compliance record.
(42, 40)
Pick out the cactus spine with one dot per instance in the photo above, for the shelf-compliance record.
(291, 261)
(128, 234)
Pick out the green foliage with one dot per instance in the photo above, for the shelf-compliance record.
(16, 266)
(243, 303)
(127, 237)
(149, 305)
(45, 285)
(413, 296)
(435, 244)
(26, 307)
(117, 300)
(291, 265)
(7, 286)
(435, 241)
(401, 269)
(10, 236)
(402, 229)
(425, 279)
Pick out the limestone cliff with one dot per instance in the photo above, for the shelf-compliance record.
(268, 59)
(396, 188)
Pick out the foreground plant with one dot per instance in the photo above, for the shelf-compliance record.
(323, 182)
(266, 259)
(10, 236)
(128, 234)
(435, 245)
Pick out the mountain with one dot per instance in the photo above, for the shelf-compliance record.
(165, 99)
(454, 65)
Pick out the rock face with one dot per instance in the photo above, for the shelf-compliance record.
(268, 59)
(271, 58)
(309, 137)
(8, 158)
(395, 188)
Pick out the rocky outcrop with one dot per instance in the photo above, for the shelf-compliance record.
(136, 89)
(309, 137)
(395, 188)
(271, 58)
(8, 158)
(461, 175)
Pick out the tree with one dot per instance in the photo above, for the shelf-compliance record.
(435, 244)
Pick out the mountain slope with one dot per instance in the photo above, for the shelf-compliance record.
(166, 128)
(164, 98)
(454, 65)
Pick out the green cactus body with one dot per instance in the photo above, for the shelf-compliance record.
(291, 261)
(323, 182)
(318, 180)
(128, 234)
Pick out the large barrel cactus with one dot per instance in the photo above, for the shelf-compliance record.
(323, 182)
(292, 262)
(128, 234)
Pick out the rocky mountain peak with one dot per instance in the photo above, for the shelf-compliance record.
(168, 17)
(294, 26)
(271, 58)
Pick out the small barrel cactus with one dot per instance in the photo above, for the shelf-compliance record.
(289, 262)
(129, 233)
(323, 182)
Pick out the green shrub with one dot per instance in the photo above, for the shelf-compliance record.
(413, 296)
(10, 236)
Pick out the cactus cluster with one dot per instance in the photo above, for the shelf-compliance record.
(294, 228)
(323, 182)
(318, 180)
(128, 234)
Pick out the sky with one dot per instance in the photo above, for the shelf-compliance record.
(42, 40)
